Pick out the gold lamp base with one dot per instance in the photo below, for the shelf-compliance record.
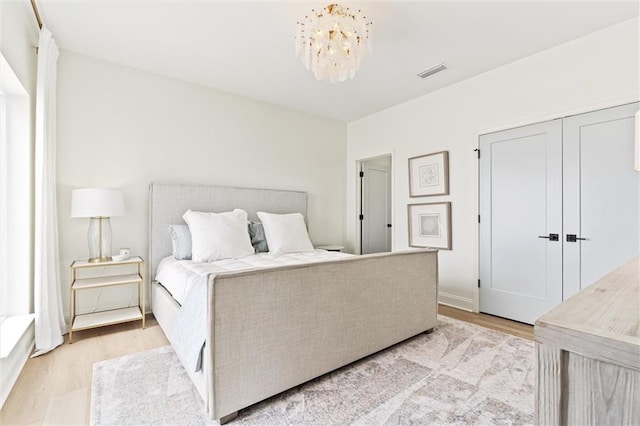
(99, 238)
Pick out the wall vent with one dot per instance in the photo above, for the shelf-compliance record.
(434, 69)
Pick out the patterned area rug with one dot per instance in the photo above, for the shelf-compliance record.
(460, 374)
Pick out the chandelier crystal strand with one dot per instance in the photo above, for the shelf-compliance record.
(331, 43)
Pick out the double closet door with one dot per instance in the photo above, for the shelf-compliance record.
(559, 208)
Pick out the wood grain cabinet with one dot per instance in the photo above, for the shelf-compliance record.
(588, 354)
(129, 272)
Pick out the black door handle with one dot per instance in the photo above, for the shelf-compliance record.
(550, 237)
(388, 225)
(572, 238)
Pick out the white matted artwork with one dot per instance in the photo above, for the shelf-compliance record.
(430, 225)
(429, 174)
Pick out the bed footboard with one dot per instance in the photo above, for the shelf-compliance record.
(275, 329)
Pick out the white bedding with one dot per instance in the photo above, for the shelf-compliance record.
(187, 282)
(177, 276)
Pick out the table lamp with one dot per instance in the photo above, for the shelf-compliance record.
(99, 205)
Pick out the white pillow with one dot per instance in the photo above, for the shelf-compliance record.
(286, 233)
(217, 236)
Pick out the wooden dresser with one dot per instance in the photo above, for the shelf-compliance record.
(588, 354)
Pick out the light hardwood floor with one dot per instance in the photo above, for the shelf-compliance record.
(515, 328)
(55, 388)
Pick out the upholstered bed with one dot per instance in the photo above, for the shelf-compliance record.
(268, 330)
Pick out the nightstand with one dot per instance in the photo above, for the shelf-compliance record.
(331, 248)
(108, 317)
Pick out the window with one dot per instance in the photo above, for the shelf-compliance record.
(4, 302)
(15, 196)
(16, 236)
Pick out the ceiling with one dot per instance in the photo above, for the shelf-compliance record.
(247, 48)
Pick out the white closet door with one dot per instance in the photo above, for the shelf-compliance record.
(601, 195)
(521, 202)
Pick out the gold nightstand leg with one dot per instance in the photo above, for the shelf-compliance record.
(142, 290)
(73, 314)
(72, 306)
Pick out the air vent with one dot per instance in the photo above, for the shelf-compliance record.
(434, 69)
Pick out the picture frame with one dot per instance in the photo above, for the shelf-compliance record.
(429, 174)
(430, 225)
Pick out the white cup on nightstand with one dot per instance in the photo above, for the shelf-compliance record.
(125, 253)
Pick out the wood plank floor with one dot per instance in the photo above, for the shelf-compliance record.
(55, 388)
(515, 328)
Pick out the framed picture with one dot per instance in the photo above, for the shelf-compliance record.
(429, 174)
(430, 225)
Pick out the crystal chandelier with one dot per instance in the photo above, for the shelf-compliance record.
(332, 42)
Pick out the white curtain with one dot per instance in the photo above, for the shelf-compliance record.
(50, 324)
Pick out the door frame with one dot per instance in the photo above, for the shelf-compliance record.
(358, 205)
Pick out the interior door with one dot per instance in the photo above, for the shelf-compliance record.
(376, 208)
(520, 218)
(601, 195)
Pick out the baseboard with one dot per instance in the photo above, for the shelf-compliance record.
(12, 364)
(454, 301)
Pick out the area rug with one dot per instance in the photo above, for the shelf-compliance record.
(460, 374)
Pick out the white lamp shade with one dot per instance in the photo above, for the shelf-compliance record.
(96, 202)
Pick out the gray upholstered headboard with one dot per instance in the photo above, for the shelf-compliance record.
(168, 202)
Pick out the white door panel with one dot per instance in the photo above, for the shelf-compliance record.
(601, 201)
(518, 207)
(376, 208)
(520, 273)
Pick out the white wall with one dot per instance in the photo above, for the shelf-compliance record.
(18, 40)
(595, 71)
(123, 128)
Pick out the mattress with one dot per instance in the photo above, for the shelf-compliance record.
(178, 276)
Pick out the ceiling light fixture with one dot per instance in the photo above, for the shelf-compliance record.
(434, 69)
(331, 43)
